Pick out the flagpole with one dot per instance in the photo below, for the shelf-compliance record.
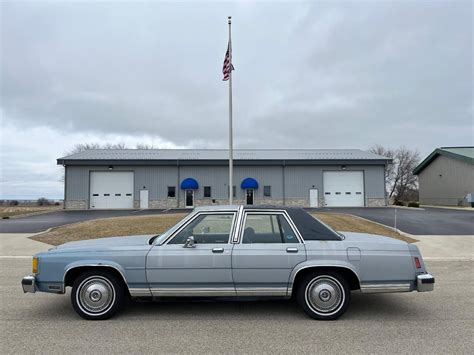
(231, 153)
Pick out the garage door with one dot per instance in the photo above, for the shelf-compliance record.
(344, 188)
(111, 189)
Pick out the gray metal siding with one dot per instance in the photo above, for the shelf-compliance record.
(156, 179)
(299, 179)
(217, 177)
(77, 183)
(456, 180)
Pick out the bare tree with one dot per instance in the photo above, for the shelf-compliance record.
(405, 180)
(144, 146)
(400, 181)
(390, 168)
(88, 146)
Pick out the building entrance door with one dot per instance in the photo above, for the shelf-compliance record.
(249, 196)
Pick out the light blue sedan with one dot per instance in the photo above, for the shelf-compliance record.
(231, 251)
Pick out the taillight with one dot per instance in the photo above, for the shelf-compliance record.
(417, 262)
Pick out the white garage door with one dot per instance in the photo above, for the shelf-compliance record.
(344, 188)
(111, 189)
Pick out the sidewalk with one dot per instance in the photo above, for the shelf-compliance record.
(19, 245)
(446, 247)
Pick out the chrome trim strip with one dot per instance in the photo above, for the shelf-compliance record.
(235, 238)
(192, 291)
(293, 277)
(140, 292)
(385, 288)
(261, 291)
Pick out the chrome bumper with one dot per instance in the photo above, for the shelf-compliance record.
(425, 283)
(28, 284)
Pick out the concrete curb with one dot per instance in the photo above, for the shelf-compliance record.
(469, 209)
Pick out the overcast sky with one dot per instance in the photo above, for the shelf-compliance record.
(308, 75)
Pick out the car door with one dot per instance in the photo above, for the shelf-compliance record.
(202, 269)
(264, 256)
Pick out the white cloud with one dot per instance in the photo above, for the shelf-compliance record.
(28, 158)
(308, 75)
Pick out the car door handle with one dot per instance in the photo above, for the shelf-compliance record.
(217, 250)
(291, 250)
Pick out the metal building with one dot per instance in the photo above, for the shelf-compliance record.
(161, 178)
(446, 177)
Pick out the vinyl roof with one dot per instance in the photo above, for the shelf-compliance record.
(222, 154)
(465, 154)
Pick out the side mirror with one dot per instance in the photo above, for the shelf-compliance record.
(189, 243)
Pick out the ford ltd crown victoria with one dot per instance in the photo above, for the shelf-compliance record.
(231, 251)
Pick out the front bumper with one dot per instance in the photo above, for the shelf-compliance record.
(29, 284)
(425, 283)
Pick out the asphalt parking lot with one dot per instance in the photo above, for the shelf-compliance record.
(427, 221)
(423, 221)
(438, 322)
(42, 222)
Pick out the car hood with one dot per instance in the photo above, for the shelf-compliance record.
(128, 242)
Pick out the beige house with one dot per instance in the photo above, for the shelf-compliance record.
(446, 177)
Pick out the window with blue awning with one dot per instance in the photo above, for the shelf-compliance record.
(249, 183)
(189, 184)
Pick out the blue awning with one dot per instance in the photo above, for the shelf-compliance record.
(189, 184)
(249, 183)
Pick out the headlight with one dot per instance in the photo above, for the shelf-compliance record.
(34, 265)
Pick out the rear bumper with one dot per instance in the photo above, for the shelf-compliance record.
(29, 284)
(425, 283)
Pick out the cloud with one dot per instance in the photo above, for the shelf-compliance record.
(308, 75)
(29, 154)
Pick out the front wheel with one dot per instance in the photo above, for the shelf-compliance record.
(97, 295)
(324, 295)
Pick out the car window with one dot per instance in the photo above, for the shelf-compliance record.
(207, 229)
(267, 228)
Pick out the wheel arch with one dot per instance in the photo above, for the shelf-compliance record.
(73, 271)
(351, 275)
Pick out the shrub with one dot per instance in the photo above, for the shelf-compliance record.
(398, 203)
(414, 204)
(13, 203)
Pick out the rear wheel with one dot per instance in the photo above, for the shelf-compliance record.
(97, 294)
(324, 295)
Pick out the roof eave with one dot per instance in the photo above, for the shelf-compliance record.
(439, 151)
(174, 162)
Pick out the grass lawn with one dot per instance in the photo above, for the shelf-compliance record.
(10, 211)
(122, 226)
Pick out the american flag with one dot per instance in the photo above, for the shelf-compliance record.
(227, 64)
